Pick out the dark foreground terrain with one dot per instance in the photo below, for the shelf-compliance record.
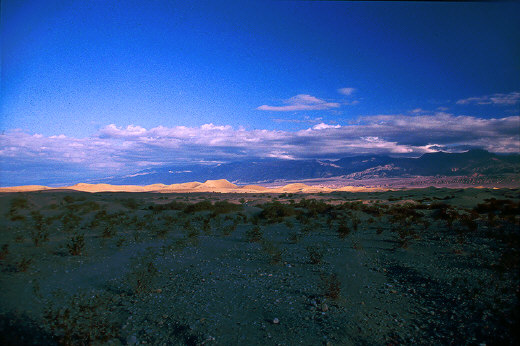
(428, 266)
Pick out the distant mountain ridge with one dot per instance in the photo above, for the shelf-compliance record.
(472, 162)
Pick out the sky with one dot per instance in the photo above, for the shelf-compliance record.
(91, 89)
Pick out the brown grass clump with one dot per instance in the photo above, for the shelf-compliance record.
(331, 286)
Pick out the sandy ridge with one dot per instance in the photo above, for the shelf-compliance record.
(221, 185)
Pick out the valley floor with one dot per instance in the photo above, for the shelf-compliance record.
(426, 266)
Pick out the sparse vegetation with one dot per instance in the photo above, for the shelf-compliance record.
(76, 244)
(288, 256)
(254, 234)
(331, 286)
(315, 253)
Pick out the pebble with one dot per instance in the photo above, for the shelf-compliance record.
(131, 340)
(324, 307)
(276, 321)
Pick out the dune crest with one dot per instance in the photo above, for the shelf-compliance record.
(220, 185)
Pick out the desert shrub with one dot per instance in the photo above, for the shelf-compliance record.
(142, 272)
(39, 235)
(405, 234)
(85, 207)
(76, 244)
(199, 206)
(39, 232)
(206, 226)
(330, 285)
(343, 231)
(4, 251)
(404, 213)
(70, 221)
(108, 231)
(224, 207)
(273, 251)
(220, 207)
(85, 319)
(294, 237)
(23, 264)
(276, 211)
(254, 234)
(159, 231)
(356, 245)
(314, 207)
(19, 203)
(120, 242)
(229, 229)
(315, 253)
(130, 203)
(355, 222)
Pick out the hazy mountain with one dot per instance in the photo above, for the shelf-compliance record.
(366, 166)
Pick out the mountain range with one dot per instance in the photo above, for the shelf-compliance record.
(474, 162)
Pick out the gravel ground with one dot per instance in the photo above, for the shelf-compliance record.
(217, 285)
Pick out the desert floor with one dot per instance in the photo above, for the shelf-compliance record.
(424, 266)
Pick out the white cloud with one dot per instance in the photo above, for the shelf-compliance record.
(346, 91)
(124, 150)
(302, 102)
(323, 126)
(496, 99)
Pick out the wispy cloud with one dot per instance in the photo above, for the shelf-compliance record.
(125, 150)
(306, 119)
(346, 91)
(496, 99)
(301, 102)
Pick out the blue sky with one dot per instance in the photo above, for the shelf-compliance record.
(108, 87)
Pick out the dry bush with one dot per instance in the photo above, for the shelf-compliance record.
(315, 253)
(330, 285)
(76, 244)
(343, 231)
(4, 252)
(142, 272)
(84, 319)
(254, 235)
(273, 251)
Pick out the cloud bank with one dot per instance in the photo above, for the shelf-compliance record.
(123, 150)
(512, 98)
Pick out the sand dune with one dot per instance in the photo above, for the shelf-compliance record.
(25, 188)
(221, 185)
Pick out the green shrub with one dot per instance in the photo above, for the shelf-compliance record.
(276, 211)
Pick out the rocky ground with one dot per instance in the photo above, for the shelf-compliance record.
(430, 266)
